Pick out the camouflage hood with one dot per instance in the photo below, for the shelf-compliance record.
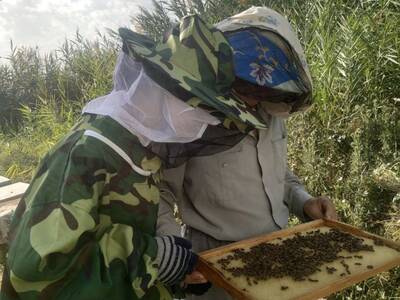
(195, 63)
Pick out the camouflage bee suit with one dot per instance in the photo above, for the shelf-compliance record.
(85, 228)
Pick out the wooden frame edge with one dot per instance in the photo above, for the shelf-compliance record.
(215, 277)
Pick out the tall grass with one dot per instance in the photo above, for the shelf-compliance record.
(44, 97)
(346, 146)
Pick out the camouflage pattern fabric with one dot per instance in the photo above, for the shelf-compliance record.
(85, 228)
(194, 59)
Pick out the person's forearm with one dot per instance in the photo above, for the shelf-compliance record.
(171, 191)
(295, 195)
(166, 222)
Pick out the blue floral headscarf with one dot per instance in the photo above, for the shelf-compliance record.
(259, 60)
(268, 53)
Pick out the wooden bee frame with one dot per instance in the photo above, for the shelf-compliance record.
(218, 279)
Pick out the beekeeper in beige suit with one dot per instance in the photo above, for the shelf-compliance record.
(248, 190)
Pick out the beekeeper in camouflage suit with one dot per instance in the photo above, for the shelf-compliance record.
(248, 190)
(86, 227)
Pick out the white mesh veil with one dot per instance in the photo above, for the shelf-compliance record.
(147, 110)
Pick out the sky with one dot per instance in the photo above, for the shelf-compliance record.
(46, 23)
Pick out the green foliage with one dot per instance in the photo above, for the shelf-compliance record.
(346, 146)
(21, 150)
(165, 13)
(19, 83)
(153, 23)
(78, 71)
(43, 97)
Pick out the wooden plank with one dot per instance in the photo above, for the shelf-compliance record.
(4, 181)
(12, 191)
(217, 277)
(7, 205)
(7, 210)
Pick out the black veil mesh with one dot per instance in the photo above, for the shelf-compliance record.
(214, 140)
